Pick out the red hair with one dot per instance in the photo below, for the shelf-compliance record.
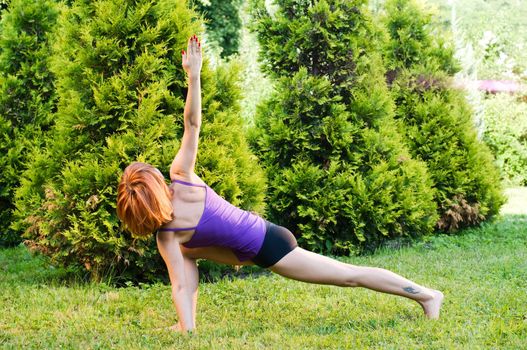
(143, 199)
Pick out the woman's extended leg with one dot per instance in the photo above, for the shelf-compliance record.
(307, 266)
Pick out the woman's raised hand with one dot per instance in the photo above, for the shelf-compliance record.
(192, 57)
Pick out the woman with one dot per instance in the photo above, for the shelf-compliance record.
(193, 222)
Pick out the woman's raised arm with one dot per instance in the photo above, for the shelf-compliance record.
(185, 160)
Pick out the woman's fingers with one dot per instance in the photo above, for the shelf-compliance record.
(189, 45)
(192, 57)
(194, 46)
(183, 58)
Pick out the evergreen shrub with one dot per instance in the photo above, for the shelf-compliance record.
(27, 95)
(121, 93)
(436, 118)
(506, 135)
(339, 175)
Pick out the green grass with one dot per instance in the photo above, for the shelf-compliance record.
(483, 273)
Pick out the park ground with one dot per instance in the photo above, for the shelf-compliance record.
(482, 272)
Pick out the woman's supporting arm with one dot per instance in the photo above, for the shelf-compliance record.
(170, 250)
(185, 160)
(192, 274)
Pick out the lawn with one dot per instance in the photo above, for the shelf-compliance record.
(483, 273)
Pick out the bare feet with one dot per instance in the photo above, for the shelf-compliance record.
(432, 306)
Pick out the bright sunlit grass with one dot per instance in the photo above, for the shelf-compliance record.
(483, 273)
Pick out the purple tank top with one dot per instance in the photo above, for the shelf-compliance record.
(224, 225)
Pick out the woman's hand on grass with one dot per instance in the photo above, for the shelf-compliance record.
(177, 328)
(192, 60)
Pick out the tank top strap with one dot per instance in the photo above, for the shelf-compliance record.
(177, 229)
(188, 183)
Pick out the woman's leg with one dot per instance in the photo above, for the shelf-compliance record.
(306, 266)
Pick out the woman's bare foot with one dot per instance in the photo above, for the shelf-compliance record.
(432, 306)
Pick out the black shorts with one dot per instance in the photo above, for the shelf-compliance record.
(278, 242)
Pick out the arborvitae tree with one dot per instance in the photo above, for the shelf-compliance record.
(27, 95)
(339, 175)
(437, 119)
(121, 94)
(223, 23)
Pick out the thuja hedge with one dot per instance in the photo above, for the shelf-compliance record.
(121, 95)
(436, 118)
(27, 95)
(339, 174)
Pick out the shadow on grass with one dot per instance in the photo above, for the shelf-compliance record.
(210, 272)
(18, 266)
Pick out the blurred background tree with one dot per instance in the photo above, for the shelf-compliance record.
(506, 135)
(223, 23)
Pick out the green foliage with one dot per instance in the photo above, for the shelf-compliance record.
(437, 120)
(415, 40)
(121, 96)
(339, 175)
(506, 135)
(27, 95)
(3, 5)
(223, 23)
